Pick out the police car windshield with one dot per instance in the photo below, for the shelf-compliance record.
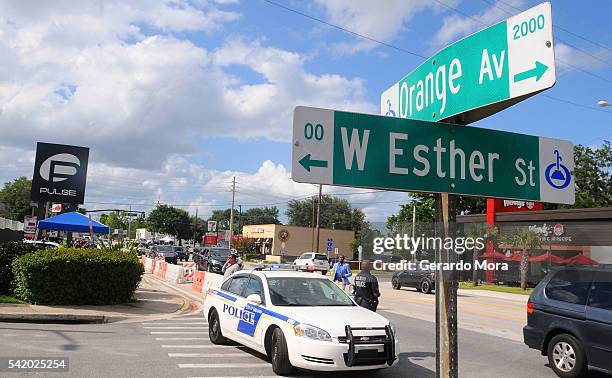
(299, 291)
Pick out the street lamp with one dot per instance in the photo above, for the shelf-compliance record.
(603, 103)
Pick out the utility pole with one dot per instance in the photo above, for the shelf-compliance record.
(231, 230)
(312, 224)
(446, 291)
(240, 218)
(195, 227)
(319, 215)
(130, 223)
(414, 256)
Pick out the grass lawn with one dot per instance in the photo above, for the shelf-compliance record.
(9, 299)
(498, 288)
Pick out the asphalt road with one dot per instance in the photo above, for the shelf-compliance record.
(489, 343)
(179, 347)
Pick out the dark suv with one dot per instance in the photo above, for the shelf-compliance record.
(569, 319)
(422, 280)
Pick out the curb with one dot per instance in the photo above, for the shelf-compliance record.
(53, 318)
(183, 292)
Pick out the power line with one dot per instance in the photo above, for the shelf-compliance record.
(422, 56)
(556, 26)
(559, 60)
(344, 29)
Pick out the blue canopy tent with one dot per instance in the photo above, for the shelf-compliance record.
(72, 222)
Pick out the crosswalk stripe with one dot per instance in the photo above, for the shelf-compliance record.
(180, 338)
(240, 376)
(174, 324)
(209, 346)
(207, 355)
(178, 333)
(183, 318)
(222, 366)
(181, 327)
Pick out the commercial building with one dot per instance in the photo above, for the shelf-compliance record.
(569, 236)
(279, 240)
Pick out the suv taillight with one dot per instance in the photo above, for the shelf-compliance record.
(529, 307)
(312, 260)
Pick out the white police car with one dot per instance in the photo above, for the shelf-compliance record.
(299, 320)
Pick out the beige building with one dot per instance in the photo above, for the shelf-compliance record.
(279, 240)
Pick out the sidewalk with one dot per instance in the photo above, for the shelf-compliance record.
(494, 294)
(154, 300)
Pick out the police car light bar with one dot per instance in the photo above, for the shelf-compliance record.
(275, 267)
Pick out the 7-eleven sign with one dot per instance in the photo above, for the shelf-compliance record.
(212, 226)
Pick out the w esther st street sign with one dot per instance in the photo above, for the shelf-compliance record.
(358, 150)
(480, 74)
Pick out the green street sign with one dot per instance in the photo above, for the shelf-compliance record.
(481, 74)
(369, 151)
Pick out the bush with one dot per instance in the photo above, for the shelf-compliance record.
(8, 252)
(72, 276)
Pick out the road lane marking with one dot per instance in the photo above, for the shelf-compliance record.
(242, 376)
(195, 327)
(222, 366)
(209, 346)
(174, 324)
(178, 333)
(181, 338)
(206, 355)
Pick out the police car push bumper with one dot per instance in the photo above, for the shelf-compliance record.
(348, 352)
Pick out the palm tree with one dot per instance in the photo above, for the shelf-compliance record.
(526, 240)
(489, 234)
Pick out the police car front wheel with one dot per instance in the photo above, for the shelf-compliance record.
(214, 330)
(279, 354)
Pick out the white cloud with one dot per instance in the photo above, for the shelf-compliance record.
(568, 57)
(382, 21)
(87, 74)
(456, 25)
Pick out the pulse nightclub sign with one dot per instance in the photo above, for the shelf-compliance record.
(369, 151)
(60, 173)
(480, 74)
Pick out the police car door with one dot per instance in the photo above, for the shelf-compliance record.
(232, 304)
(249, 330)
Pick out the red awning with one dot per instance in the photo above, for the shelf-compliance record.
(580, 260)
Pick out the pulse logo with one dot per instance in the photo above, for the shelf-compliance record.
(60, 173)
(59, 167)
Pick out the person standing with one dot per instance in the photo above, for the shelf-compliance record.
(231, 266)
(342, 271)
(366, 288)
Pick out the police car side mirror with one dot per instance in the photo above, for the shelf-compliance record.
(255, 298)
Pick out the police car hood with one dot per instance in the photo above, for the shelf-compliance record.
(334, 319)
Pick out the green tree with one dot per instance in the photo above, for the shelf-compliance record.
(526, 240)
(488, 234)
(365, 239)
(425, 213)
(335, 213)
(16, 196)
(259, 215)
(170, 220)
(592, 172)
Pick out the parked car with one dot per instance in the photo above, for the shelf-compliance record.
(181, 253)
(165, 251)
(42, 244)
(212, 259)
(312, 261)
(422, 280)
(569, 319)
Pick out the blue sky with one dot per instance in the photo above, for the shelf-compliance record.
(176, 98)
